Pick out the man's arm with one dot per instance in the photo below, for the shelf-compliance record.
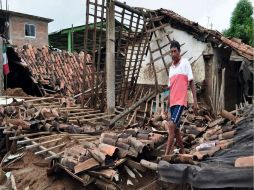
(193, 90)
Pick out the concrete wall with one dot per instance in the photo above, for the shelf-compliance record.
(194, 50)
(17, 32)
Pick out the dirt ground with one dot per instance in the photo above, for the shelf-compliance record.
(33, 175)
(15, 92)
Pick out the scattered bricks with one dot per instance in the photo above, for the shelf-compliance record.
(18, 122)
(179, 158)
(227, 128)
(109, 135)
(137, 145)
(107, 140)
(224, 144)
(132, 152)
(210, 132)
(157, 138)
(212, 138)
(107, 149)
(228, 115)
(123, 145)
(227, 135)
(200, 155)
(132, 133)
(244, 162)
(122, 153)
(97, 155)
(216, 122)
(149, 165)
(87, 164)
(143, 136)
(123, 140)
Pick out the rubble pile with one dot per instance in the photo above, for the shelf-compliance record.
(202, 135)
(30, 118)
(24, 116)
(106, 159)
(112, 159)
(54, 71)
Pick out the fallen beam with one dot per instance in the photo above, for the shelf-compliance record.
(128, 110)
(35, 139)
(48, 149)
(42, 147)
(30, 135)
(39, 144)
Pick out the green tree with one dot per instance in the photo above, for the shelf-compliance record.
(242, 23)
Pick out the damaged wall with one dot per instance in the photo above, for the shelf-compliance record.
(191, 46)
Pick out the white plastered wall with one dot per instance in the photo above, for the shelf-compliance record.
(194, 50)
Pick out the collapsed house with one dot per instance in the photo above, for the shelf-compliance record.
(142, 54)
(116, 151)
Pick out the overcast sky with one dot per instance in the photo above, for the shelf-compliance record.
(68, 12)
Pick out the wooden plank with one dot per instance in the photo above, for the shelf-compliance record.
(42, 143)
(48, 149)
(157, 28)
(95, 118)
(35, 139)
(87, 164)
(40, 99)
(85, 116)
(86, 112)
(30, 135)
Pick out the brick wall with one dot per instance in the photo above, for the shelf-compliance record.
(17, 32)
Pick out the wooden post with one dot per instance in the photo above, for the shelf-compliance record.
(1, 66)
(110, 57)
(69, 41)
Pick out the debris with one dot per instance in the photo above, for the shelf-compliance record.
(85, 165)
(228, 115)
(149, 165)
(134, 106)
(129, 172)
(247, 161)
(129, 182)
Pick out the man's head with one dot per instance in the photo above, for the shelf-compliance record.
(175, 51)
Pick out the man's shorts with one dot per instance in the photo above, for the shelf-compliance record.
(176, 112)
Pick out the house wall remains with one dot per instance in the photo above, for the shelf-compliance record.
(194, 50)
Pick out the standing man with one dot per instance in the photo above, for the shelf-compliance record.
(180, 76)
